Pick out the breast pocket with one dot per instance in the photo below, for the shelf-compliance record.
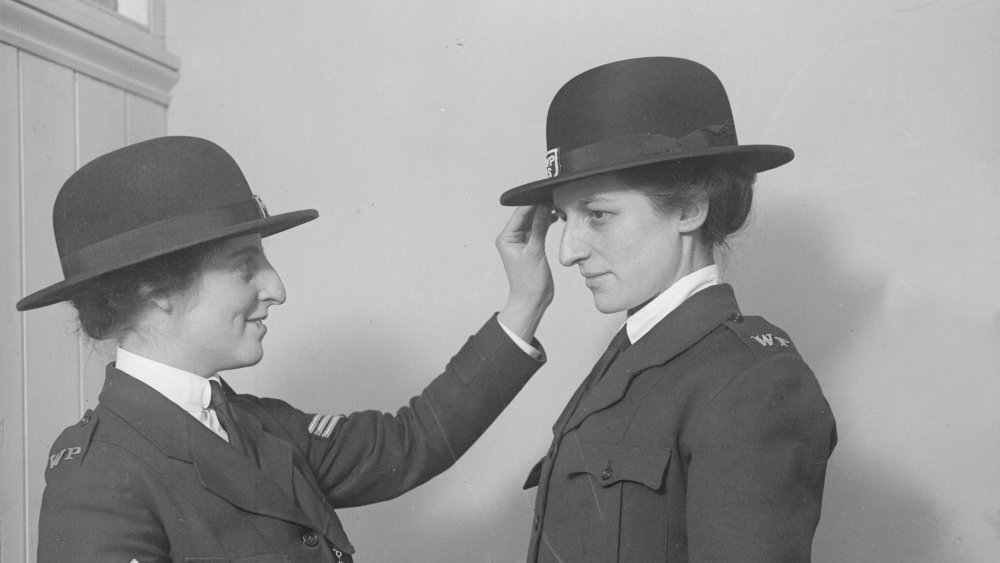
(614, 463)
(626, 482)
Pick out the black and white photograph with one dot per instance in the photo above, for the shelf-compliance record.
(499, 282)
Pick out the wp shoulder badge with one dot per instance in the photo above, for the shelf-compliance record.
(72, 444)
(760, 336)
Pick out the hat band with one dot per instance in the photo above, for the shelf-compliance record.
(146, 241)
(634, 146)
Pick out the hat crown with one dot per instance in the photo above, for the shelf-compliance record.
(665, 96)
(639, 112)
(144, 184)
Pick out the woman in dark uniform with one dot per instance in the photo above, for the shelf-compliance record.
(701, 434)
(160, 244)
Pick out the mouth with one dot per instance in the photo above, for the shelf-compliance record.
(593, 279)
(258, 322)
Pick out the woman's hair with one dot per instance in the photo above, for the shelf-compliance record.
(111, 303)
(676, 185)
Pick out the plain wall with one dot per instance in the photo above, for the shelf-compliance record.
(876, 248)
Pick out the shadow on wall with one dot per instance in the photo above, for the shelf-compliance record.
(870, 515)
(787, 268)
(790, 269)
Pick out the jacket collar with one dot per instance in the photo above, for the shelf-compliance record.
(699, 315)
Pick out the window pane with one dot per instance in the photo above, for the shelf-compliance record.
(135, 10)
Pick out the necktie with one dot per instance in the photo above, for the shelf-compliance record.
(227, 417)
(618, 344)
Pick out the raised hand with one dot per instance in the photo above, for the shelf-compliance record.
(522, 249)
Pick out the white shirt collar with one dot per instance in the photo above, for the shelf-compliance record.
(189, 391)
(645, 319)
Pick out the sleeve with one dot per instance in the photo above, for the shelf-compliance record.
(372, 456)
(757, 465)
(90, 513)
(528, 349)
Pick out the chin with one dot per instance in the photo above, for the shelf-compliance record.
(255, 359)
(608, 306)
(250, 360)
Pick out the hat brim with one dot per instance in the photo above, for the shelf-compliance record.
(758, 157)
(266, 226)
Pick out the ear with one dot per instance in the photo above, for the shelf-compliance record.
(162, 302)
(693, 214)
(165, 303)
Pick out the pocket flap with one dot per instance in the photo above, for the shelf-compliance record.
(611, 463)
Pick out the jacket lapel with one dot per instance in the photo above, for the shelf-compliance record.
(273, 456)
(572, 407)
(237, 479)
(286, 470)
(679, 330)
(290, 472)
(223, 470)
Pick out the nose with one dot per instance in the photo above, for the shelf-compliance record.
(572, 247)
(272, 290)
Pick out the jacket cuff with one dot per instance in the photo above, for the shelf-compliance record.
(491, 350)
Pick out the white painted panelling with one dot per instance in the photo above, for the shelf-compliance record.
(49, 148)
(12, 520)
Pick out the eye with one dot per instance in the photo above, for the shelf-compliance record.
(598, 215)
(245, 269)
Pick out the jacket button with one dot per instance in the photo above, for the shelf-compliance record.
(85, 420)
(310, 538)
(552, 450)
(736, 318)
(608, 472)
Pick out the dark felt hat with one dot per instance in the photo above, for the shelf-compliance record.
(149, 199)
(636, 112)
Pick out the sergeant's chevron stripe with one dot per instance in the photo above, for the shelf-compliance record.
(322, 425)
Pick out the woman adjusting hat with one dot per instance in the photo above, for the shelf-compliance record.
(701, 434)
(160, 244)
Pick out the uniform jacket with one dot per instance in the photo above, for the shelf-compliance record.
(706, 440)
(140, 479)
